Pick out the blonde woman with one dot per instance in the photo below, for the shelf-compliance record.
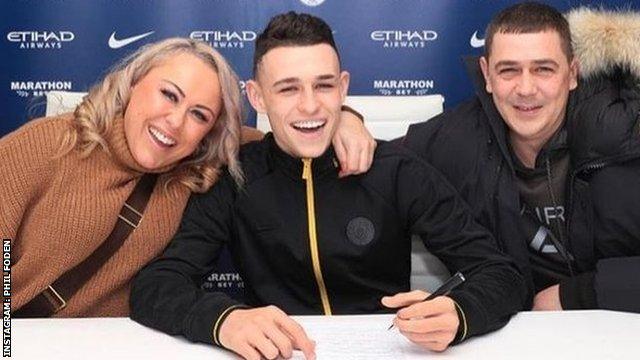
(172, 109)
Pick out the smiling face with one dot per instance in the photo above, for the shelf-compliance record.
(170, 110)
(301, 89)
(529, 77)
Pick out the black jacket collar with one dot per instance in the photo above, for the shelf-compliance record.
(497, 124)
(321, 166)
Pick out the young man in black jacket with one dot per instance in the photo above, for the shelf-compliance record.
(309, 242)
(551, 167)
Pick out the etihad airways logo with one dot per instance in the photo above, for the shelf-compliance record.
(40, 39)
(403, 87)
(476, 42)
(116, 43)
(403, 38)
(224, 39)
(39, 88)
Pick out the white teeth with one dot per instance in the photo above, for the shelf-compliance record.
(158, 135)
(308, 124)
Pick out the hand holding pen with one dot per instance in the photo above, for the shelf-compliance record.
(444, 289)
(429, 321)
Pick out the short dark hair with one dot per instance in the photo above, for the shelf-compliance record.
(527, 18)
(292, 29)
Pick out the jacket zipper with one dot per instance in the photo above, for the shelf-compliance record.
(588, 167)
(496, 204)
(307, 175)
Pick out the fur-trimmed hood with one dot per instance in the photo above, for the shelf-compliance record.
(603, 112)
(605, 39)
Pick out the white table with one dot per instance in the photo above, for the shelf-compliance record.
(541, 336)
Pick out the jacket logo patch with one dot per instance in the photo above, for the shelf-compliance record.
(360, 231)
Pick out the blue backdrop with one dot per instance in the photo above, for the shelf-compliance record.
(391, 47)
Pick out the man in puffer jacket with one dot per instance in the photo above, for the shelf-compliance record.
(549, 160)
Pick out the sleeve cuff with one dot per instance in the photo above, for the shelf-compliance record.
(199, 323)
(353, 111)
(615, 284)
(461, 334)
(218, 324)
(472, 319)
(577, 292)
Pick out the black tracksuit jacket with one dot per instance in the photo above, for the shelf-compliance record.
(468, 145)
(358, 252)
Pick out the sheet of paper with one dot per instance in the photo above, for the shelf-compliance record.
(362, 337)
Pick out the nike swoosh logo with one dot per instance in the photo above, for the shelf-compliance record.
(475, 42)
(118, 43)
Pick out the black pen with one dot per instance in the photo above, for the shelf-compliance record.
(444, 289)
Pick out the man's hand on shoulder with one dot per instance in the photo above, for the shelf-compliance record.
(265, 332)
(431, 324)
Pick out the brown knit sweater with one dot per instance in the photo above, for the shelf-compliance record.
(56, 212)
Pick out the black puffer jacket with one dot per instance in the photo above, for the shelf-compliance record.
(469, 145)
(360, 227)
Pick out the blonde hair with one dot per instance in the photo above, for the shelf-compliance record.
(107, 100)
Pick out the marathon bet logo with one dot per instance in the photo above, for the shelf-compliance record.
(223, 39)
(223, 281)
(403, 87)
(40, 39)
(403, 39)
(39, 88)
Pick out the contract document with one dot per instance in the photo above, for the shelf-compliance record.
(585, 334)
(357, 337)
